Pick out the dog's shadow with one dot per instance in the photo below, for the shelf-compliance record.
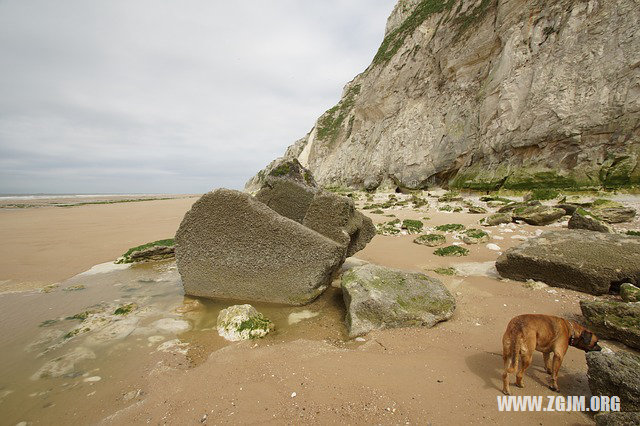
(488, 366)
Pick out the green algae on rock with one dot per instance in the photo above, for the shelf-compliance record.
(377, 297)
(451, 251)
(242, 322)
(431, 240)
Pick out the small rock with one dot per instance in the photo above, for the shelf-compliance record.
(242, 322)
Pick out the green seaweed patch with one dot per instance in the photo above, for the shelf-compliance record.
(377, 211)
(445, 208)
(449, 227)
(81, 316)
(633, 233)
(457, 209)
(446, 271)
(256, 322)
(488, 198)
(475, 233)
(543, 194)
(125, 258)
(601, 203)
(430, 239)
(75, 332)
(125, 309)
(47, 323)
(74, 288)
(412, 226)
(418, 201)
(451, 251)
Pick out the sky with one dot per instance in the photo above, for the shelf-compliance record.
(171, 96)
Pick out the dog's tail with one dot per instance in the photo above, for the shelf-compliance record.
(511, 360)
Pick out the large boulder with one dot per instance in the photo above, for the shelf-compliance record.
(617, 374)
(377, 297)
(582, 219)
(329, 214)
(614, 320)
(580, 260)
(232, 246)
(538, 215)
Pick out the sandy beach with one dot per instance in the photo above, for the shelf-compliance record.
(43, 245)
(308, 371)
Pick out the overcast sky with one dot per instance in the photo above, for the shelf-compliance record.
(168, 96)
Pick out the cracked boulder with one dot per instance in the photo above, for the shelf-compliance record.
(232, 246)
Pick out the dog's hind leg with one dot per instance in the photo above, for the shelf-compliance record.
(547, 362)
(525, 363)
(557, 362)
(510, 360)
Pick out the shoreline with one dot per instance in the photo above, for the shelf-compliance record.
(47, 245)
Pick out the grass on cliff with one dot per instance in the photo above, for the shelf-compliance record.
(328, 127)
(395, 39)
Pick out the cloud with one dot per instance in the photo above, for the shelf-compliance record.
(171, 96)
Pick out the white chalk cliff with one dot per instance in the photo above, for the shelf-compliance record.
(487, 94)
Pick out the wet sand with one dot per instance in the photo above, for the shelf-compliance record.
(45, 245)
(307, 372)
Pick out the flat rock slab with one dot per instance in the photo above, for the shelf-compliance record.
(585, 261)
(232, 246)
(377, 297)
(615, 374)
(614, 320)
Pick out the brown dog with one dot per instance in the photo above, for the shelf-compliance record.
(544, 333)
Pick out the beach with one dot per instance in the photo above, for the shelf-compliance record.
(306, 371)
(43, 245)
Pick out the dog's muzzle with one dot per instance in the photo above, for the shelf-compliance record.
(595, 348)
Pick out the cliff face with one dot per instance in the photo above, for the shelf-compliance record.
(487, 94)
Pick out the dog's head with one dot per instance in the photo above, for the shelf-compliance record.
(586, 340)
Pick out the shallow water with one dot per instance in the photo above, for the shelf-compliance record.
(55, 368)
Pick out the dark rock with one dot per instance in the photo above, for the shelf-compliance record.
(617, 418)
(585, 261)
(496, 219)
(617, 374)
(615, 214)
(581, 219)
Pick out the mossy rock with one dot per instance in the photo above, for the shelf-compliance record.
(450, 227)
(451, 251)
(446, 271)
(156, 250)
(614, 320)
(242, 322)
(477, 210)
(377, 297)
(475, 236)
(496, 219)
(412, 226)
(629, 292)
(431, 240)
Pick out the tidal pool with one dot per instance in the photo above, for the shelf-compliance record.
(82, 350)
